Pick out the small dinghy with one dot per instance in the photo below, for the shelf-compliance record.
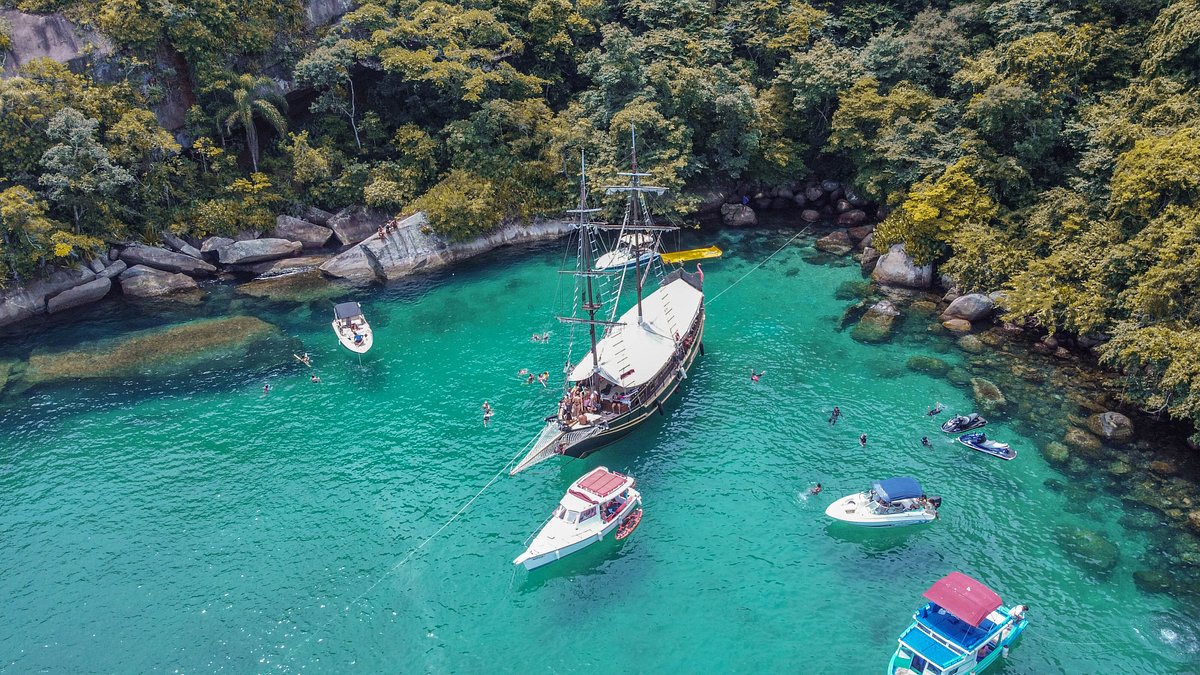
(961, 423)
(351, 327)
(628, 525)
(632, 250)
(964, 628)
(980, 442)
(889, 503)
(594, 506)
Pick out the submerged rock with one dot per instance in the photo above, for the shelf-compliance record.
(852, 290)
(836, 242)
(1153, 581)
(971, 344)
(1082, 441)
(928, 365)
(303, 287)
(179, 346)
(1056, 453)
(876, 324)
(1089, 549)
(958, 377)
(988, 396)
(1111, 426)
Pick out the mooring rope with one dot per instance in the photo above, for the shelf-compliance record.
(753, 269)
(401, 562)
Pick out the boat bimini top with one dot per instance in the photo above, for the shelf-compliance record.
(347, 310)
(895, 489)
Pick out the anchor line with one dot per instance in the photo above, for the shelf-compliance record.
(391, 570)
(755, 268)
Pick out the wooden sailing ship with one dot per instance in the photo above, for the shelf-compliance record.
(641, 358)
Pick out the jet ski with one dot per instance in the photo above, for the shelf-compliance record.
(961, 423)
(981, 443)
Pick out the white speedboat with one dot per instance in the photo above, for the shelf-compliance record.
(634, 249)
(593, 507)
(890, 502)
(351, 327)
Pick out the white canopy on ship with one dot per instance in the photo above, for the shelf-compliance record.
(631, 354)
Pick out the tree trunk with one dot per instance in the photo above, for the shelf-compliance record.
(353, 111)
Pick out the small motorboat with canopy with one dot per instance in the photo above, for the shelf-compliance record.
(595, 505)
(979, 441)
(632, 250)
(351, 327)
(889, 503)
(965, 628)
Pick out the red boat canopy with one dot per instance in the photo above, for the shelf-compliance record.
(601, 482)
(964, 597)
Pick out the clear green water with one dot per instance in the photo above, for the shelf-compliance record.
(193, 524)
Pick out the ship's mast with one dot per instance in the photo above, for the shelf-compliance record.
(636, 182)
(586, 232)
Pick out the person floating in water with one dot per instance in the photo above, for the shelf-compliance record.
(316, 379)
(544, 377)
(936, 409)
(754, 376)
(487, 413)
(862, 440)
(925, 441)
(542, 337)
(815, 490)
(833, 417)
(266, 389)
(304, 358)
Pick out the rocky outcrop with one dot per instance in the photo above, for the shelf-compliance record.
(323, 12)
(25, 302)
(972, 307)
(167, 261)
(80, 295)
(141, 281)
(876, 324)
(114, 269)
(310, 235)
(354, 224)
(318, 216)
(257, 250)
(49, 36)
(738, 215)
(1111, 426)
(836, 242)
(895, 268)
(181, 246)
(407, 249)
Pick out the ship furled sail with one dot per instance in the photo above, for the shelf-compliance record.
(630, 371)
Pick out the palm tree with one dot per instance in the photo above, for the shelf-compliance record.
(255, 96)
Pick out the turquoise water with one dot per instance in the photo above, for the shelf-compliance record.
(189, 522)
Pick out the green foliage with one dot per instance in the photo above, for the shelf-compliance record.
(935, 212)
(79, 175)
(1162, 367)
(461, 205)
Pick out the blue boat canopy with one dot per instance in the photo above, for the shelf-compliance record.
(902, 487)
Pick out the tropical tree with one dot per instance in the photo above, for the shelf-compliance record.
(80, 175)
(254, 96)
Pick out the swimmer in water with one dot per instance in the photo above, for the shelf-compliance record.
(754, 376)
(487, 412)
(837, 412)
(815, 490)
(544, 377)
(266, 389)
(936, 409)
(316, 379)
(862, 440)
(925, 441)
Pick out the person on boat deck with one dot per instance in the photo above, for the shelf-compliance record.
(358, 339)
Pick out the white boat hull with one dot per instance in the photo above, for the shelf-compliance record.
(854, 510)
(533, 561)
(620, 260)
(346, 337)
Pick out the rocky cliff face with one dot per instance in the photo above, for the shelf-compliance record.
(50, 36)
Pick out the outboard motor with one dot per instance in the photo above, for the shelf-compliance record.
(936, 500)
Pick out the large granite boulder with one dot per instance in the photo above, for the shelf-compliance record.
(895, 268)
(114, 269)
(211, 248)
(1111, 426)
(141, 281)
(310, 235)
(852, 218)
(810, 215)
(80, 295)
(257, 250)
(409, 248)
(860, 233)
(876, 324)
(167, 261)
(319, 216)
(836, 242)
(323, 12)
(354, 224)
(870, 258)
(738, 215)
(27, 301)
(181, 246)
(972, 307)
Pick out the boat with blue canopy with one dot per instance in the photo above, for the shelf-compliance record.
(889, 502)
(965, 628)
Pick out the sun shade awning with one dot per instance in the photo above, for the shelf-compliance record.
(903, 487)
(346, 310)
(963, 597)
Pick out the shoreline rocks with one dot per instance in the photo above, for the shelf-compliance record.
(837, 242)
(166, 261)
(895, 268)
(141, 281)
(877, 323)
(257, 250)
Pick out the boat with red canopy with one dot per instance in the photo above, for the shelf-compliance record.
(965, 628)
(595, 505)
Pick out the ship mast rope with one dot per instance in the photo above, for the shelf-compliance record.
(415, 550)
(755, 268)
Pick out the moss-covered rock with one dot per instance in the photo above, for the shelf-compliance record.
(153, 351)
(876, 324)
(988, 396)
(1089, 549)
(928, 365)
(958, 377)
(971, 344)
(1082, 441)
(1056, 453)
(852, 290)
(1153, 581)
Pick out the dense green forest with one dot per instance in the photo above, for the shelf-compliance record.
(1049, 149)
